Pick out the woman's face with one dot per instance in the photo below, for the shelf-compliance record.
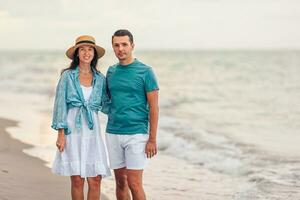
(86, 54)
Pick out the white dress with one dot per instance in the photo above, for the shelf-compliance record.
(84, 152)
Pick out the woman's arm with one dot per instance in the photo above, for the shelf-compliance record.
(61, 141)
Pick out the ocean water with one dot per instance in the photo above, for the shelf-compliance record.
(235, 114)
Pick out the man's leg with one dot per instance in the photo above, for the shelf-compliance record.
(135, 182)
(122, 189)
(117, 163)
(135, 163)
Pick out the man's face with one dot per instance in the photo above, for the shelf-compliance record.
(122, 47)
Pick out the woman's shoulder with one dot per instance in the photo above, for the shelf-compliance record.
(64, 75)
(67, 72)
(99, 75)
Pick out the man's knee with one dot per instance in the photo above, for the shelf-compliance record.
(134, 182)
(135, 186)
(121, 182)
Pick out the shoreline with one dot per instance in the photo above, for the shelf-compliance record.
(26, 177)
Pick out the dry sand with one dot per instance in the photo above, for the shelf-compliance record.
(24, 177)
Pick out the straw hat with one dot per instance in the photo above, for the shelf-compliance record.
(85, 40)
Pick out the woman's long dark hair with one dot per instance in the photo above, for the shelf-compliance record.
(75, 61)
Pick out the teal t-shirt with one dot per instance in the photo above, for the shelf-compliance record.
(127, 87)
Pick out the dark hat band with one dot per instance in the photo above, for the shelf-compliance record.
(85, 41)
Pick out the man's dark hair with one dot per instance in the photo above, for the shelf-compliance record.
(123, 32)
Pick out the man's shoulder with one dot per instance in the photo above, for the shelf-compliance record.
(141, 64)
(112, 68)
(144, 68)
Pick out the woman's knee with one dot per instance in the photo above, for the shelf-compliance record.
(94, 182)
(77, 181)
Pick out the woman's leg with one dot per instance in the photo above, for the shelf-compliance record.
(77, 184)
(94, 187)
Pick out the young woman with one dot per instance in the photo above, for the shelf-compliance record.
(80, 94)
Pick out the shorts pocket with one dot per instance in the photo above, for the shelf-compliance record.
(139, 148)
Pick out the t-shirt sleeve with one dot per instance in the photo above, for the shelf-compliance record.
(151, 83)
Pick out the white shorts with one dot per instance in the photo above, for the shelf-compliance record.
(127, 150)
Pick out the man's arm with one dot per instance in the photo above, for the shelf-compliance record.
(151, 146)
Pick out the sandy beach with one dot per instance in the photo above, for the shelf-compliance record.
(25, 177)
(224, 134)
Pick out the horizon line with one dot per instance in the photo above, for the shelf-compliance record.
(160, 49)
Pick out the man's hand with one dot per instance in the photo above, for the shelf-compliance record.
(151, 149)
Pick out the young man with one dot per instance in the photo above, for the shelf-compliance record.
(133, 90)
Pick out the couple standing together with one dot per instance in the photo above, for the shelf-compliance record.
(128, 95)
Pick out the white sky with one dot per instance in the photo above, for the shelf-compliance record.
(155, 24)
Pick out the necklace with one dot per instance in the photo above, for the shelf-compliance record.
(85, 72)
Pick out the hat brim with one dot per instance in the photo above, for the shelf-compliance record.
(70, 52)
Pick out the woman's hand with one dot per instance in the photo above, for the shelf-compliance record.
(61, 141)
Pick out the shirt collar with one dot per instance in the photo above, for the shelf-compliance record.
(76, 73)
